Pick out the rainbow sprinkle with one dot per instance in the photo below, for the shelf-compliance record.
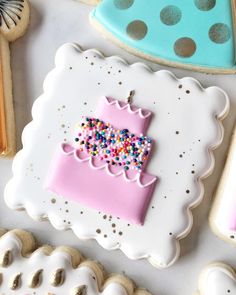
(113, 146)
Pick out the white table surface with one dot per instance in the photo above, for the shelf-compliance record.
(53, 23)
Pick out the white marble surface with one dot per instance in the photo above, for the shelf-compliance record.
(53, 23)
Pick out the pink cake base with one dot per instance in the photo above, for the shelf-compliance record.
(79, 179)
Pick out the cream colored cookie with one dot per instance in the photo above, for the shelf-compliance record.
(30, 270)
(217, 279)
(14, 18)
(223, 213)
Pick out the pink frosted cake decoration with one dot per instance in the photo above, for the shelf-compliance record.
(104, 168)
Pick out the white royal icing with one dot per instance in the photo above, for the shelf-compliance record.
(74, 277)
(185, 126)
(218, 280)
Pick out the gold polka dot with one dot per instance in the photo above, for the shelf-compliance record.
(137, 30)
(205, 5)
(185, 47)
(170, 15)
(123, 4)
(219, 33)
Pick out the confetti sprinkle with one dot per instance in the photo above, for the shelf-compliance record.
(113, 146)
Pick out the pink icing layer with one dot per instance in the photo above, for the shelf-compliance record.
(123, 115)
(78, 178)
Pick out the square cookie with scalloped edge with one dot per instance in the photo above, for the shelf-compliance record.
(28, 269)
(117, 153)
(217, 279)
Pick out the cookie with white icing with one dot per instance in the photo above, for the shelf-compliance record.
(223, 213)
(167, 33)
(14, 19)
(26, 269)
(217, 279)
(115, 169)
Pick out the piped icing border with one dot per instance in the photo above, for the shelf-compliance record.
(131, 109)
(24, 267)
(142, 182)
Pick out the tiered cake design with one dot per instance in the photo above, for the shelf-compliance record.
(104, 169)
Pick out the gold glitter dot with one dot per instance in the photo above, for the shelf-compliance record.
(170, 15)
(205, 5)
(137, 30)
(53, 201)
(185, 47)
(123, 4)
(219, 33)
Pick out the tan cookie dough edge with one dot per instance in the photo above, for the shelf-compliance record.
(8, 98)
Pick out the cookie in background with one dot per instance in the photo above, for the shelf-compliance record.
(217, 279)
(14, 19)
(29, 269)
(194, 34)
(223, 213)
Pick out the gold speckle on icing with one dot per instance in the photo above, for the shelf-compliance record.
(35, 279)
(6, 259)
(57, 277)
(81, 290)
(15, 282)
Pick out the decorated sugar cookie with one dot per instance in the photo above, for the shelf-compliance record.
(194, 34)
(14, 18)
(114, 157)
(122, 153)
(26, 269)
(223, 214)
(217, 279)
